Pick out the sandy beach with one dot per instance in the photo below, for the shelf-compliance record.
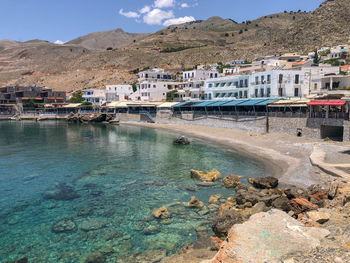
(286, 157)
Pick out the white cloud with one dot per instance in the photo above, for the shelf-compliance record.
(179, 20)
(164, 3)
(129, 14)
(59, 42)
(146, 9)
(185, 5)
(156, 16)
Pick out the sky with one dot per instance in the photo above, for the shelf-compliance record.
(64, 20)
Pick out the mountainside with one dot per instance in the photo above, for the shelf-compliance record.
(85, 62)
(102, 40)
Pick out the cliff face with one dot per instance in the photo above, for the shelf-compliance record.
(85, 62)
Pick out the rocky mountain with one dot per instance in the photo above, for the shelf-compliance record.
(107, 39)
(85, 62)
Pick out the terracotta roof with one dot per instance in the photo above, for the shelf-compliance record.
(345, 67)
(300, 62)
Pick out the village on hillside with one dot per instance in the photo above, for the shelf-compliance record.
(316, 85)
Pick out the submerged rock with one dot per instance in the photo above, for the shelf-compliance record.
(161, 213)
(231, 181)
(210, 176)
(222, 224)
(22, 260)
(65, 225)
(214, 199)
(268, 237)
(93, 224)
(63, 192)
(182, 140)
(264, 182)
(95, 257)
(194, 203)
(148, 256)
(151, 230)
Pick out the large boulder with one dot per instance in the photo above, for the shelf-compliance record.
(194, 203)
(243, 196)
(182, 140)
(268, 237)
(231, 181)
(161, 213)
(264, 182)
(65, 225)
(295, 192)
(319, 217)
(210, 176)
(222, 224)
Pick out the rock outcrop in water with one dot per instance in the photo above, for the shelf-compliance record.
(209, 176)
(231, 181)
(93, 117)
(182, 140)
(194, 203)
(161, 213)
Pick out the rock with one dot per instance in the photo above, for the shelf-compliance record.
(65, 225)
(204, 211)
(85, 211)
(95, 257)
(210, 176)
(214, 199)
(319, 217)
(63, 192)
(182, 140)
(222, 224)
(161, 213)
(231, 181)
(295, 192)
(194, 203)
(268, 237)
(264, 182)
(243, 196)
(282, 203)
(225, 207)
(93, 224)
(151, 230)
(300, 205)
(317, 188)
(333, 189)
(205, 184)
(258, 208)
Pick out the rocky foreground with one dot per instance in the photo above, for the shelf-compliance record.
(267, 223)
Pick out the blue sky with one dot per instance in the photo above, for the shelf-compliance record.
(64, 20)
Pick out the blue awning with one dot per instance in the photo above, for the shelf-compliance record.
(264, 103)
(233, 103)
(252, 102)
(219, 103)
(203, 104)
(182, 104)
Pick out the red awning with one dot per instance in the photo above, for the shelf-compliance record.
(326, 103)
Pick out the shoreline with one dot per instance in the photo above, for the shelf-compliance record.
(285, 156)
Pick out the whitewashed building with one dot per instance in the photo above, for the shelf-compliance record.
(150, 90)
(154, 74)
(95, 96)
(118, 92)
(230, 87)
(198, 74)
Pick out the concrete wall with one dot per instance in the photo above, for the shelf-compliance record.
(128, 117)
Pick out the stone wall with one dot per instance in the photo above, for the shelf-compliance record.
(128, 117)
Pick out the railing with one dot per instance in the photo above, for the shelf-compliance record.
(331, 115)
(289, 114)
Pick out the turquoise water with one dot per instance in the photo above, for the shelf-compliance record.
(114, 177)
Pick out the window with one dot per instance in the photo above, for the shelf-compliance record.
(216, 75)
(268, 79)
(296, 92)
(245, 94)
(211, 75)
(146, 76)
(246, 82)
(262, 79)
(280, 78)
(240, 94)
(256, 80)
(262, 92)
(268, 92)
(241, 83)
(210, 85)
(236, 94)
(154, 86)
(256, 93)
(158, 76)
(315, 86)
(223, 84)
(296, 79)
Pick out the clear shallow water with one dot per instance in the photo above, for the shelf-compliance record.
(121, 174)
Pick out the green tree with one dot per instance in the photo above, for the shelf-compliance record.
(77, 97)
(316, 58)
(134, 87)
